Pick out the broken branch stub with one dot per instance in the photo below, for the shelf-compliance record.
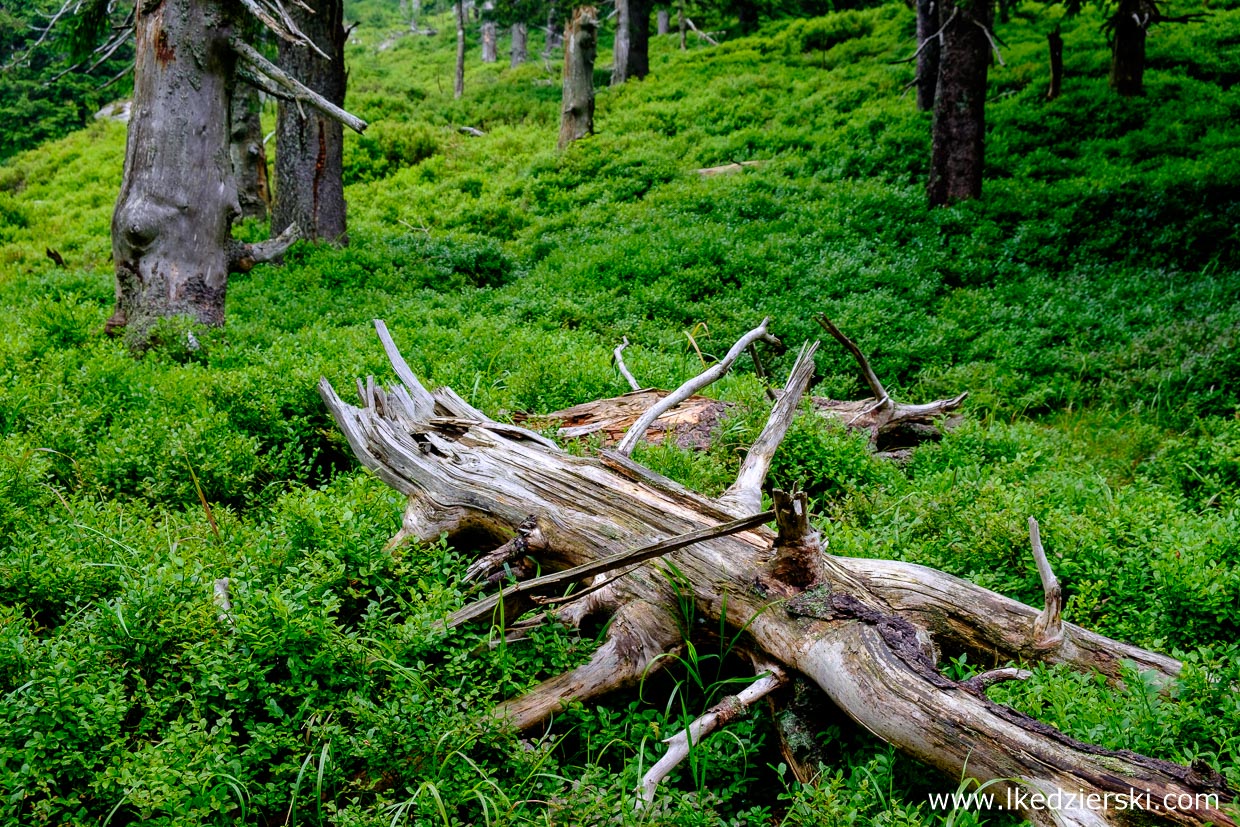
(862, 630)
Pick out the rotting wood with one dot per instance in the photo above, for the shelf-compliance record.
(865, 631)
(580, 49)
(729, 169)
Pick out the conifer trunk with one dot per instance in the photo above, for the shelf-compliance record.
(580, 48)
(1054, 42)
(958, 146)
(490, 45)
(622, 44)
(309, 144)
(458, 86)
(1128, 27)
(170, 230)
(249, 155)
(520, 45)
(928, 57)
(663, 22)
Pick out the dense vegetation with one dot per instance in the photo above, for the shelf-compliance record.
(1090, 304)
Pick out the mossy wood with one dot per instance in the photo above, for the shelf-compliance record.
(865, 631)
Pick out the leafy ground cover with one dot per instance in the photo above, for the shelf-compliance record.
(1090, 304)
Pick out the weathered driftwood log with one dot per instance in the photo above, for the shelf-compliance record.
(862, 630)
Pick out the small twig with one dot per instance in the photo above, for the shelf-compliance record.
(643, 423)
(978, 684)
(472, 131)
(1048, 625)
(991, 38)
(720, 715)
(934, 36)
(623, 368)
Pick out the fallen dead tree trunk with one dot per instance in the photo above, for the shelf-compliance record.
(862, 630)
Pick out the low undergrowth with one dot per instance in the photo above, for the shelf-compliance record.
(1089, 304)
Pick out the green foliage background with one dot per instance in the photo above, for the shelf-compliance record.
(1089, 302)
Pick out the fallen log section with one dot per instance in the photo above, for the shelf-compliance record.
(865, 631)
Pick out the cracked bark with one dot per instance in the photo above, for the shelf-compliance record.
(957, 157)
(864, 631)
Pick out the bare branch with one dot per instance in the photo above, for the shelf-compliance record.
(1048, 627)
(529, 539)
(486, 608)
(639, 428)
(701, 33)
(720, 715)
(268, 71)
(424, 403)
(223, 601)
(980, 683)
(243, 257)
(871, 378)
(934, 36)
(745, 495)
(990, 38)
(618, 353)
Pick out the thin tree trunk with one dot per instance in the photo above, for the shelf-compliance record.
(249, 156)
(170, 229)
(1128, 27)
(520, 48)
(680, 23)
(309, 144)
(580, 48)
(490, 46)
(622, 43)
(663, 22)
(928, 57)
(958, 146)
(458, 87)
(1054, 42)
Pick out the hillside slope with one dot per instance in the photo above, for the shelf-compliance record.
(1090, 304)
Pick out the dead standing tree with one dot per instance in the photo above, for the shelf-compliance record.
(580, 49)
(865, 631)
(171, 241)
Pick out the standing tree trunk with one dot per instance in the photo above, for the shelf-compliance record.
(170, 230)
(490, 46)
(663, 21)
(928, 53)
(958, 146)
(458, 86)
(309, 144)
(631, 53)
(680, 23)
(621, 45)
(746, 16)
(1054, 42)
(249, 156)
(1128, 27)
(520, 41)
(580, 48)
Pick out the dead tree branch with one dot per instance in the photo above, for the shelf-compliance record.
(618, 354)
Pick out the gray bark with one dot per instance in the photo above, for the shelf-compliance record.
(309, 143)
(249, 155)
(958, 143)
(680, 23)
(580, 49)
(663, 21)
(520, 48)
(170, 229)
(862, 630)
(458, 86)
(490, 45)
